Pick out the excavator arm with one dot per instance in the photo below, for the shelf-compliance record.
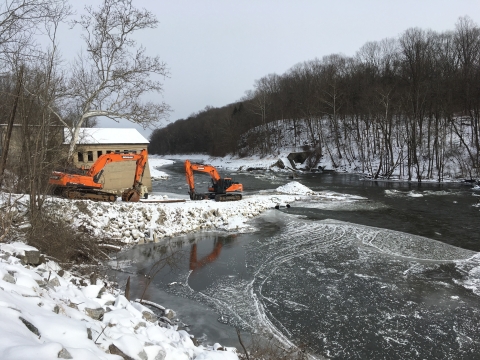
(190, 168)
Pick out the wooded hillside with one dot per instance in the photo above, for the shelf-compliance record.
(411, 101)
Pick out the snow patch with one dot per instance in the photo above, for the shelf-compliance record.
(295, 188)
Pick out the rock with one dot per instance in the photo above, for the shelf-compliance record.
(161, 355)
(195, 341)
(101, 292)
(73, 305)
(9, 278)
(54, 282)
(135, 234)
(149, 316)
(217, 347)
(96, 314)
(140, 324)
(143, 355)
(170, 314)
(64, 354)
(89, 334)
(116, 351)
(93, 278)
(61, 273)
(41, 283)
(109, 302)
(56, 309)
(30, 326)
(31, 257)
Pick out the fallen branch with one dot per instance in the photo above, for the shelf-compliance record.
(151, 303)
(241, 343)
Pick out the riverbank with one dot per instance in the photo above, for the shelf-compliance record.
(49, 313)
(280, 163)
(133, 223)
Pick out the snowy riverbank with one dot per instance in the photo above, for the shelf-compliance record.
(50, 313)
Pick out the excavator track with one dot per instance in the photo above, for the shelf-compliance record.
(85, 194)
(228, 197)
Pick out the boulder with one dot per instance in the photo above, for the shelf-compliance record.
(31, 257)
(170, 314)
(9, 278)
(30, 326)
(116, 351)
(64, 354)
(96, 314)
(149, 316)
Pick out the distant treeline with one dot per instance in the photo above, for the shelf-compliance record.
(405, 99)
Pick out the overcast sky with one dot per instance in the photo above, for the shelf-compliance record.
(216, 49)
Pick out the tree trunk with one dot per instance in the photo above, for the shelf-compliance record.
(11, 120)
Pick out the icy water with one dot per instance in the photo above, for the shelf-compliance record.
(395, 276)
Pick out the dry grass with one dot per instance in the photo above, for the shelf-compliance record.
(57, 239)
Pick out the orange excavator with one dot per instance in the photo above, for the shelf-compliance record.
(85, 184)
(222, 189)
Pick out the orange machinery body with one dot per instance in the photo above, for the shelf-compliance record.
(220, 186)
(90, 179)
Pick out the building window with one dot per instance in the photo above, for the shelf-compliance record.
(80, 156)
(117, 151)
(99, 153)
(109, 151)
(90, 155)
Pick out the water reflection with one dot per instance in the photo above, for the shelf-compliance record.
(195, 264)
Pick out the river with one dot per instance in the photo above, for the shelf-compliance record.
(393, 276)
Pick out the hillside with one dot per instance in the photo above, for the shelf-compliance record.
(404, 107)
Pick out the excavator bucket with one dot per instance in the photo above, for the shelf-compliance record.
(130, 195)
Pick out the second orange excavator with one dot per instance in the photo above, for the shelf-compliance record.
(222, 189)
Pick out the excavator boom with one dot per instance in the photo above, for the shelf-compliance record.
(88, 185)
(222, 189)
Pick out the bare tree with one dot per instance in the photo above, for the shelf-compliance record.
(113, 73)
(19, 23)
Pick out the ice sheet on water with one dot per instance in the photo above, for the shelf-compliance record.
(470, 267)
(413, 193)
(372, 292)
(346, 205)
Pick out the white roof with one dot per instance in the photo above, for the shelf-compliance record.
(107, 136)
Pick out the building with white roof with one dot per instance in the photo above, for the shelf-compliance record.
(95, 142)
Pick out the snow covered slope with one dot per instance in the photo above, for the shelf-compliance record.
(47, 314)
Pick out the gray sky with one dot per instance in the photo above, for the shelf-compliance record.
(216, 49)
